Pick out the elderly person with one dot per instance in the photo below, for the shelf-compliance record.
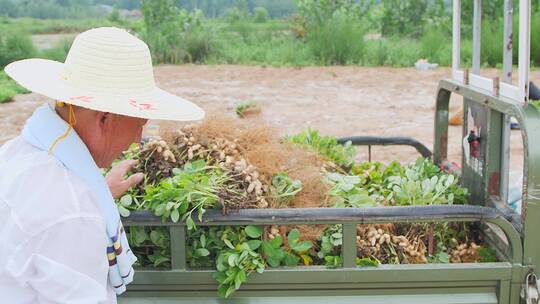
(61, 238)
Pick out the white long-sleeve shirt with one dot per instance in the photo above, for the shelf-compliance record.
(52, 235)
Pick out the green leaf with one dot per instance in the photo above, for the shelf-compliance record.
(240, 278)
(123, 211)
(202, 252)
(291, 259)
(487, 255)
(170, 205)
(272, 261)
(253, 231)
(228, 243)
(139, 234)
(230, 291)
(126, 200)
(203, 240)
(276, 242)
(160, 260)
(175, 215)
(233, 259)
(268, 249)
(293, 236)
(160, 210)
(183, 207)
(367, 262)
(190, 223)
(301, 246)
(222, 291)
(254, 244)
(219, 276)
(443, 257)
(155, 236)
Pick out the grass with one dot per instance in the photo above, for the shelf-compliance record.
(337, 42)
(55, 26)
(8, 88)
(217, 41)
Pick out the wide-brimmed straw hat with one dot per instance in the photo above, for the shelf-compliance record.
(108, 70)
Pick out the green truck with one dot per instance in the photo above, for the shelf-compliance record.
(488, 106)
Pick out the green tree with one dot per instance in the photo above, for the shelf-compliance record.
(158, 13)
(260, 14)
(403, 17)
(7, 8)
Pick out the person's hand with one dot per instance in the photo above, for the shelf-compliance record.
(116, 181)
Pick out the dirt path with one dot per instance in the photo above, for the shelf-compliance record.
(338, 101)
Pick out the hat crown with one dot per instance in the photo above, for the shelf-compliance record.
(111, 61)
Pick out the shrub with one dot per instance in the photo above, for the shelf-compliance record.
(260, 14)
(491, 41)
(535, 38)
(114, 16)
(403, 17)
(59, 51)
(15, 46)
(436, 45)
(8, 88)
(174, 36)
(338, 41)
(234, 14)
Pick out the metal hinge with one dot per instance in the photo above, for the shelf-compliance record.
(530, 289)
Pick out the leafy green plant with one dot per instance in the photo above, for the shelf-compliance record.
(203, 244)
(284, 188)
(173, 35)
(276, 254)
(424, 184)
(409, 190)
(299, 247)
(326, 145)
(243, 106)
(15, 46)
(374, 177)
(190, 191)
(260, 14)
(488, 255)
(441, 256)
(239, 259)
(331, 242)
(338, 41)
(9, 88)
(150, 245)
(333, 261)
(347, 191)
(367, 262)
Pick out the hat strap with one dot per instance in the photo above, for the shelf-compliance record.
(72, 121)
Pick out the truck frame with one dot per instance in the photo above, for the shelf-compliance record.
(488, 106)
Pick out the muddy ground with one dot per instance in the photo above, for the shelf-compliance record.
(340, 101)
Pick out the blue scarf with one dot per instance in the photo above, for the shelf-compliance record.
(41, 130)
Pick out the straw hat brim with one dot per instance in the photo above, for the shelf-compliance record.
(45, 77)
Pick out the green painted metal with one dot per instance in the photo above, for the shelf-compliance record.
(350, 280)
(349, 245)
(529, 120)
(471, 298)
(178, 245)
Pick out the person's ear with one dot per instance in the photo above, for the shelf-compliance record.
(103, 120)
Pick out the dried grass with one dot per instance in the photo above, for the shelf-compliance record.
(262, 147)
